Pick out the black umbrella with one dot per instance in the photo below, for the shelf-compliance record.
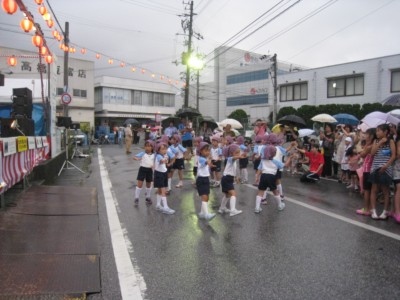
(188, 112)
(393, 100)
(133, 122)
(210, 122)
(165, 122)
(292, 120)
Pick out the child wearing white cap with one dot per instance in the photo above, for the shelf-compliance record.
(344, 164)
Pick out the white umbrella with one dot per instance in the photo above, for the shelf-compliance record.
(395, 112)
(324, 118)
(385, 117)
(305, 132)
(234, 123)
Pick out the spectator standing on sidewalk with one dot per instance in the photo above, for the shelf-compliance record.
(328, 139)
(384, 153)
(128, 138)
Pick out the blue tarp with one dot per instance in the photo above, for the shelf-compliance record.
(37, 116)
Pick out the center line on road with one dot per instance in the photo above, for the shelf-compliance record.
(339, 217)
(130, 280)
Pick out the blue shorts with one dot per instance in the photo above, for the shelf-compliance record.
(227, 183)
(178, 164)
(267, 181)
(243, 162)
(160, 179)
(145, 174)
(217, 164)
(203, 185)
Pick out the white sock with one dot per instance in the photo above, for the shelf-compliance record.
(137, 192)
(165, 203)
(265, 195)
(223, 202)
(204, 207)
(280, 190)
(278, 199)
(158, 200)
(232, 203)
(245, 175)
(258, 201)
(169, 183)
(148, 192)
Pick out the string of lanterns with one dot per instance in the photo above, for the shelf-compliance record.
(28, 24)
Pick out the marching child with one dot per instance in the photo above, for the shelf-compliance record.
(216, 159)
(196, 143)
(161, 178)
(203, 179)
(179, 158)
(146, 159)
(269, 168)
(171, 152)
(232, 155)
(244, 161)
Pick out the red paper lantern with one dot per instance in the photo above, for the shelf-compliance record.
(122, 64)
(110, 61)
(143, 71)
(46, 16)
(42, 10)
(49, 59)
(12, 61)
(39, 2)
(9, 6)
(43, 51)
(55, 33)
(98, 56)
(50, 23)
(83, 51)
(26, 25)
(37, 40)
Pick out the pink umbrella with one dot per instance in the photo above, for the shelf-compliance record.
(372, 120)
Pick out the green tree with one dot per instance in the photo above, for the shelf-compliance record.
(239, 115)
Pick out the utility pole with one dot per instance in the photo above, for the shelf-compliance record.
(197, 90)
(275, 87)
(66, 43)
(189, 52)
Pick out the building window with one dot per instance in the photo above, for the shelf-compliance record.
(79, 93)
(395, 81)
(294, 92)
(137, 97)
(346, 86)
(60, 91)
(247, 100)
(82, 73)
(246, 77)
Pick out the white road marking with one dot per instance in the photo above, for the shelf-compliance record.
(131, 281)
(339, 217)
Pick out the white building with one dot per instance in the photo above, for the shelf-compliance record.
(359, 82)
(118, 99)
(243, 80)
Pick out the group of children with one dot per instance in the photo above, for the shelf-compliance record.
(224, 156)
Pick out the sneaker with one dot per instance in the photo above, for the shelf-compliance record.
(234, 212)
(363, 212)
(356, 188)
(244, 182)
(136, 202)
(350, 186)
(168, 211)
(374, 215)
(281, 206)
(264, 201)
(224, 210)
(159, 208)
(148, 201)
(396, 217)
(202, 216)
(209, 217)
(179, 185)
(384, 215)
(258, 210)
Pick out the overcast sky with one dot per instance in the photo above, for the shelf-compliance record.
(148, 33)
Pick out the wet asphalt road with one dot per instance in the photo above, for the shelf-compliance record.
(317, 248)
